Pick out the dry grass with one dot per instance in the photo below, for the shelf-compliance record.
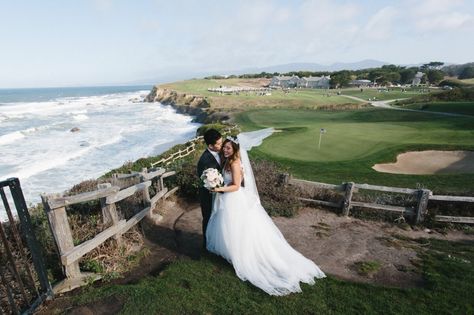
(86, 221)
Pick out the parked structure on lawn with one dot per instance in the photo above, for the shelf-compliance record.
(295, 81)
(361, 83)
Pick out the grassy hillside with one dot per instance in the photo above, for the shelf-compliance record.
(465, 108)
(356, 140)
(384, 94)
(299, 98)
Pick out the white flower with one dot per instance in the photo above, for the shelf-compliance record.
(211, 178)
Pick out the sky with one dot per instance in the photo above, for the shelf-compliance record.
(52, 43)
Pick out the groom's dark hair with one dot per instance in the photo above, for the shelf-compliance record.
(211, 136)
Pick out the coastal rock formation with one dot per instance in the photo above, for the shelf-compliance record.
(193, 105)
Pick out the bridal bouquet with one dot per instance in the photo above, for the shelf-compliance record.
(212, 178)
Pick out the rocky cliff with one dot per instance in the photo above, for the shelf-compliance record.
(193, 105)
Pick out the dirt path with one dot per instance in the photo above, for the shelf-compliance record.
(333, 242)
(336, 243)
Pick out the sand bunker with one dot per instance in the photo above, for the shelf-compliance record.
(430, 162)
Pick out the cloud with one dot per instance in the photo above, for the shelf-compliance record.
(430, 7)
(379, 26)
(440, 15)
(318, 15)
(446, 22)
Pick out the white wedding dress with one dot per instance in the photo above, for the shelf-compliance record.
(241, 231)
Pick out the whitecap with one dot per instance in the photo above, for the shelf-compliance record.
(80, 117)
(77, 112)
(26, 171)
(54, 160)
(11, 137)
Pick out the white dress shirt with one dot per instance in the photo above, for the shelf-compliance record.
(216, 156)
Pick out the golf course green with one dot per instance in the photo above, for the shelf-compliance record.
(356, 140)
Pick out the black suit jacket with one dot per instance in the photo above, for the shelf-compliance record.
(206, 161)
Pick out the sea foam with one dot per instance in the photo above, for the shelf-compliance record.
(39, 148)
(11, 137)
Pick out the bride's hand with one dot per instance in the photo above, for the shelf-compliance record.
(218, 190)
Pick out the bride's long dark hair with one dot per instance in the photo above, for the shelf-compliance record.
(235, 156)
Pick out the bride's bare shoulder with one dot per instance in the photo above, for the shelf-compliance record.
(237, 164)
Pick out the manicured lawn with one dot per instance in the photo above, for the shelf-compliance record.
(384, 94)
(209, 286)
(465, 108)
(356, 140)
(299, 98)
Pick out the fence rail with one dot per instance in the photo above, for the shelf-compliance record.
(179, 154)
(417, 213)
(108, 195)
(187, 150)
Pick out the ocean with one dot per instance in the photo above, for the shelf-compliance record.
(113, 126)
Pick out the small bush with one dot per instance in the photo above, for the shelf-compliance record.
(218, 126)
(187, 181)
(276, 198)
(367, 268)
(92, 266)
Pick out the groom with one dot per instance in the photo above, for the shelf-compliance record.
(210, 158)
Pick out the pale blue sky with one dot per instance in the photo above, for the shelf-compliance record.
(97, 42)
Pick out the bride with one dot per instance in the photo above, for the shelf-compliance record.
(241, 231)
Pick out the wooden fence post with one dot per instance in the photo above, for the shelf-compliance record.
(421, 207)
(109, 212)
(61, 230)
(284, 179)
(160, 184)
(114, 180)
(146, 192)
(346, 207)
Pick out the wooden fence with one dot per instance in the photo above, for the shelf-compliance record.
(108, 194)
(416, 213)
(187, 150)
(179, 154)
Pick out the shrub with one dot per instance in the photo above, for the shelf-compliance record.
(218, 126)
(467, 73)
(186, 179)
(367, 268)
(454, 95)
(276, 198)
